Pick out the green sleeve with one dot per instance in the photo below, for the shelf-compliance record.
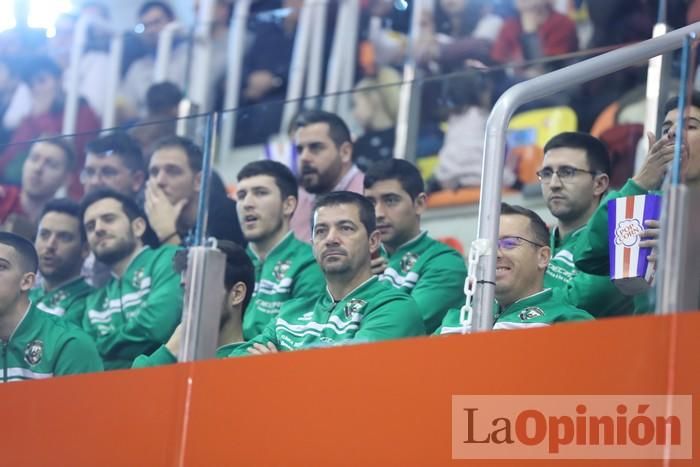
(439, 288)
(162, 356)
(394, 318)
(269, 334)
(594, 255)
(309, 282)
(78, 355)
(159, 315)
(596, 294)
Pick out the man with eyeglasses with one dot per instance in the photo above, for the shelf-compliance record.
(574, 178)
(523, 302)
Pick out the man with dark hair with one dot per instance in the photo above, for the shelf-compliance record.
(523, 255)
(574, 178)
(62, 247)
(239, 283)
(162, 102)
(45, 171)
(285, 268)
(357, 307)
(594, 257)
(114, 161)
(36, 345)
(410, 260)
(324, 163)
(172, 195)
(140, 306)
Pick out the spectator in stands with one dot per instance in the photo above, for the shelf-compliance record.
(574, 178)
(239, 283)
(431, 272)
(375, 107)
(324, 163)
(265, 73)
(383, 33)
(284, 266)
(523, 255)
(357, 307)
(46, 118)
(172, 195)
(162, 101)
(62, 248)
(153, 17)
(15, 98)
(594, 257)
(461, 30)
(45, 171)
(536, 32)
(36, 345)
(139, 308)
(114, 161)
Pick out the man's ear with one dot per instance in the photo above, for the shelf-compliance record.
(237, 294)
(345, 151)
(138, 227)
(420, 203)
(27, 282)
(375, 242)
(138, 178)
(601, 183)
(289, 205)
(544, 254)
(85, 250)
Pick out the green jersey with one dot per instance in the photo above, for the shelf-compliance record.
(432, 272)
(535, 311)
(594, 293)
(67, 300)
(289, 271)
(374, 311)
(137, 312)
(594, 251)
(43, 346)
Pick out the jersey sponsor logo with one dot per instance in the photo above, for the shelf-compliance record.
(280, 269)
(627, 232)
(531, 312)
(34, 352)
(354, 306)
(407, 262)
(57, 298)
(139, 275)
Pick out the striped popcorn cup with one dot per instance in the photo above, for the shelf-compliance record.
(629, 268)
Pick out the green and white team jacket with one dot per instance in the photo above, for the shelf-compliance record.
(374, 311)
(432, 272)
(535, 311)
(67, 300)
(43, 346)
(594, 293)
(136, 313)
(288, 272)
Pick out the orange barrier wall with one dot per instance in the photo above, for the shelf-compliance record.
(384, 404)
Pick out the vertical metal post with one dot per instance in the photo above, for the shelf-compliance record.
(348, 59)
(200, 65)
(335, 62)
(70, 111)
(208, 154)
(164, 49)
(316, 46)
(116, 50)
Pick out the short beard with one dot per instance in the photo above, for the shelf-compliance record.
(118, 253)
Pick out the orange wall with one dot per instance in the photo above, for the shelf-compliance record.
(383, 404)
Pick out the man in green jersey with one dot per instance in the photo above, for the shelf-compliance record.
(523, 256)
(140, 306)
(35, 345)
(594, 257)
(574, 178)
(285, 268)
(432, 272)
(357, 306)
(239, 281)
(62, 248)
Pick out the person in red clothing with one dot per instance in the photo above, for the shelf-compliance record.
(46, 118)
(46, 170)
(538, 31)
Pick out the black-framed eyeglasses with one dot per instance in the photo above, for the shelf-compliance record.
(512, 241)
(565, 172)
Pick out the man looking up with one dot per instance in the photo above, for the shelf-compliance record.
(62, 248)
(430, 271)
(35, 345)
(138, 309)
(324, 163)
(285, 268)
(574, 178)
(357, 306)
(522, 300)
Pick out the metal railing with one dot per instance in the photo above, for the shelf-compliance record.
(495, 140)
